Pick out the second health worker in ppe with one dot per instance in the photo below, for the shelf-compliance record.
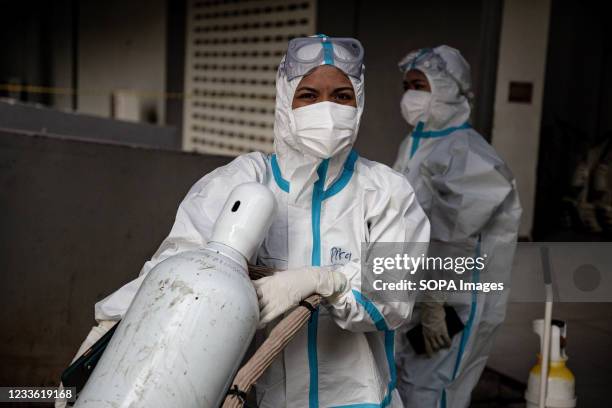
(470, 197)
(330, 200)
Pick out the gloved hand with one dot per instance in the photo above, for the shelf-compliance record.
(435, 332)
(93, 336)
(285, 289)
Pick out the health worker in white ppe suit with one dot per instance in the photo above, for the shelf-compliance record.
(330, 200)
(470, 197)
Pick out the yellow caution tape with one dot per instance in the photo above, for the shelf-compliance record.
(90, 92)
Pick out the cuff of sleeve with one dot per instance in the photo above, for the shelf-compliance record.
(340, 286)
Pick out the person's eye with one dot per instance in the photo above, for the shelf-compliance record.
(344, 96)
(307, 96)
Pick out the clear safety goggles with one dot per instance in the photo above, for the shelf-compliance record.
(425, 60)
(307, 53)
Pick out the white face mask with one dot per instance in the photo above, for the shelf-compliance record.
(415, 106)
(323, 129)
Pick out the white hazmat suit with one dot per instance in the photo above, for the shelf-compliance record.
(326, 209)
(470, 197)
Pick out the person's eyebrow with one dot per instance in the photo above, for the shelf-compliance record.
(344, 88)
(306, 88)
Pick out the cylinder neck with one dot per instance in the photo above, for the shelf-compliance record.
(228, 252)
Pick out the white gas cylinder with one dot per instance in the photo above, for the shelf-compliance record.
(192, 320)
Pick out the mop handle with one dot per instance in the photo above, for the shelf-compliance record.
(547, 326)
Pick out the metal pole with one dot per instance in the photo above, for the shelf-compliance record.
(547, 327)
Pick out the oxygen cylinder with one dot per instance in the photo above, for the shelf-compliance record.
(561, 384)
(191, 321)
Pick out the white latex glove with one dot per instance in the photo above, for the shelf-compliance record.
(285, 289)
(435, 332)
(93, 336)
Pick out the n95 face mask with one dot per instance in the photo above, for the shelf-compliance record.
(415, 106)
(323, 129)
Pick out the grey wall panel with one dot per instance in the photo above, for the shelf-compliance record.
(77, 220)
(39, 119)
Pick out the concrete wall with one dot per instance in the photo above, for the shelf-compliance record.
(516, 126)
(122, 45)
(78, 221)
(30, 118)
